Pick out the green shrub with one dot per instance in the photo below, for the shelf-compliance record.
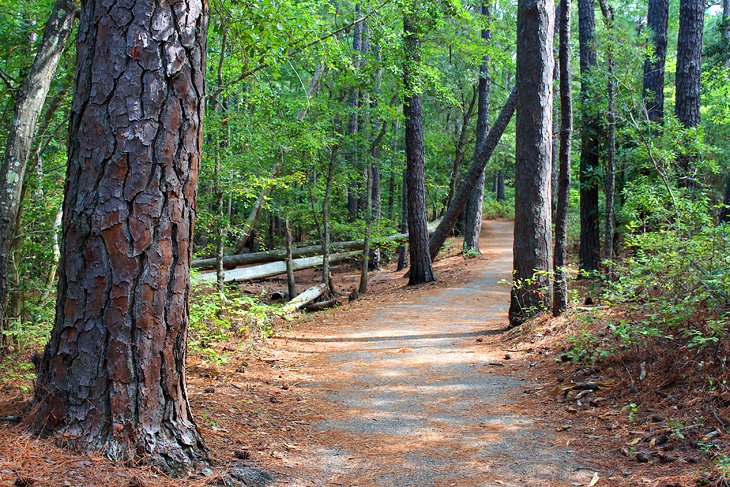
(215, 318)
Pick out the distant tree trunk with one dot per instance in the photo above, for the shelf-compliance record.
(725, 212)
(610, 182)
(56, 248)
(391, 180)
(28, 103)
(590, 239)
(290, 283)
(560, 288)
(688, 76)
(379, 130)
(353, 126)
(218, 188)
(473, 211)
(726, 29)
(556, 117)
(534, 131)
(657, 18)
(365, 264)
(500, 185)
(403, 248)
(326, 276)
(458, 203)
(112, 377)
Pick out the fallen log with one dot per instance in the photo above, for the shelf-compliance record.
(230, 261)
(271, 269)
(305, 298)
(331, 303)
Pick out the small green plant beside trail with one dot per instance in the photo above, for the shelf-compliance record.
(215, 318)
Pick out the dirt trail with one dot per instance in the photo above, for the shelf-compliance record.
(418, 392)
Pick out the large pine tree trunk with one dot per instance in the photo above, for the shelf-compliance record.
(688, 75)
(689, 61)
(113, 374)
(28, 102)
(420, 258)
(473, 211)
(560, 288)
(657, 18)
(590, 239)
(534, 133)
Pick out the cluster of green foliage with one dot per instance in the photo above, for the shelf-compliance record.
(216, 319)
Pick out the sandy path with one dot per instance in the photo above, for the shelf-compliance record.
(418, 392)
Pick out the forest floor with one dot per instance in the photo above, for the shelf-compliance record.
(406, 386)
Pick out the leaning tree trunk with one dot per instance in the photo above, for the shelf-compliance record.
(420, 258)
(534, 131)
(590, 238)
(28, 102)
(560, 288)
(471, 178)
(473, 211)
(689, 70)
(112, 377)
(657, 18)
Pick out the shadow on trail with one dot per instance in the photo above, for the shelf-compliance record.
(425, 336)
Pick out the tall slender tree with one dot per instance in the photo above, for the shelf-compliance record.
(590, 238)
(657, 19)
(610, 178)
(29, 100)
(473, 215)
(420, 259)
(560, 288)
(533, 168)
(112, 377)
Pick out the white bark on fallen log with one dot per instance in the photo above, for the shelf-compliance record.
(305, 298)
(271, 269)
(230, 261)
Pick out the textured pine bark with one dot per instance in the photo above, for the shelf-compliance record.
(420, 258)
(689, 61)
(590, 238)
(534, 131)
(688, 77)
(560, 288)
(28, 103)
(473, 210)
(112, 377)
(657, 18)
